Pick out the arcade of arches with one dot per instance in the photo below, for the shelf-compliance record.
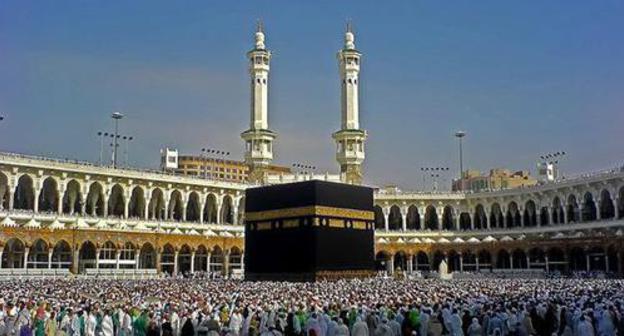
(589, 206)
(80, 251)
(97, 199)
(569, 257)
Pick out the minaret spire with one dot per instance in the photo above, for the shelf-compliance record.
(350, 138)
(259, 138)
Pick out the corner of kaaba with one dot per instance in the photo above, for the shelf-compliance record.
(309, 231)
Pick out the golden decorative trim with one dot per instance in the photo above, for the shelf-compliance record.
(290, 223)
(264, 226)
(337, 223)
(359, 225)
(313, 210)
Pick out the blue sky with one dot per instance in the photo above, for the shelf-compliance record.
(522, 78)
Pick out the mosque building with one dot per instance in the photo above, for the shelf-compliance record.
(59, 217)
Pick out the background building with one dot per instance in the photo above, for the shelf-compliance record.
(220, 169)
(498, 178)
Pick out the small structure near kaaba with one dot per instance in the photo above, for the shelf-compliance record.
(309, 231)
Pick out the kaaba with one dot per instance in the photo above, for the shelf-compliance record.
(309, 231)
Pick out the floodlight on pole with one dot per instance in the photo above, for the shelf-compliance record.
(460, 135)
(116, 117)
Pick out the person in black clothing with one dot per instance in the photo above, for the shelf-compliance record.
(188, 329)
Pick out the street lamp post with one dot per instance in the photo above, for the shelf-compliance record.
(459, 135)
(102, 135)
(116, 116)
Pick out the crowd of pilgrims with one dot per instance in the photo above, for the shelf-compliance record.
(371, 307)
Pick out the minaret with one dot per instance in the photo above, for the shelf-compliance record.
(350, 138)
(258, 138)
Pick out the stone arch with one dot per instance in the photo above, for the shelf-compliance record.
(485, 259)
(496, 216)
(379, 218)
(577, 259)
(175, 206)
(537, 258)
(61, 255)
(216, 260)
(210, 209)
(464, 221)
(530, 214)
(193, 207)
(453, 261)
(136, 207)
(24, 197)
(157, 208)
(184, 259)
(395, 220)
(241, 211)
(400, 261)
(447, 218)
(147, 257)
(95, 200)
(86, 256)
(72, 199)
(503, 259)
(49, 195)
(201, 259)
(227, 210)
(589, 210)
(469, 260)
(38, 254)
(438, 257)
(167, 259)
(597, 259)
(556, 259)
(513, 215)
(413, 218)
(108, 255)
(557, 211)
(544, 216)
(572, 209)
(607, 210)
(116, 201)
(519, 259)
(431, 218)
(422, 261)
(13, 253)
(480, 220)
(235, 259)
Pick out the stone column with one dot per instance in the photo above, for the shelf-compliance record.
(477, 263)
(146, 201)
(208, 262)
(521, 212)
(193, 261)
(97, 258)
(1, 253)
(404, 219)
(202, 205)
(226, 263)
(26, 252)
(528, 259)
(472, 220)
(421, 214)
(50, 252)
(487, 219)
(598, 207)
(386, 214)
(184, 212)
(175, 262)
(547, 263)
(117, 258)
(461, 263)
(456, 220)
(410, 266)
(587, 263)
(158, 261)
(75, 255)
(511, 265)
(565, 216)
(137, 255)
(615, 206)
(219, 206)
(607, 262)
(440, 217)
(126, 207)
(390, 265)
(59, 207)
(538, 217)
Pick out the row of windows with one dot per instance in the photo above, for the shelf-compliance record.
(216, 169)
(345, 81)
(259, 81)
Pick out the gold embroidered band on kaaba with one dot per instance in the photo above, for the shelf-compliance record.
(313, 210)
